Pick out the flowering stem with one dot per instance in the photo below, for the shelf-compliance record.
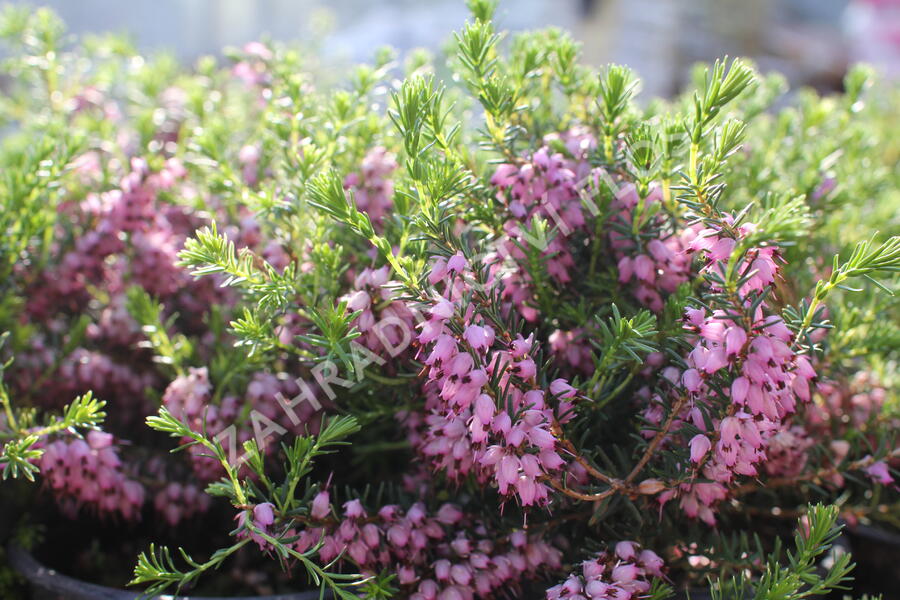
(667, 196)
(587, 466)
(607, 148)
(578, 495)
(7, 407)
(807, 319)
(657, 439)
(317, 572)
(695, 152)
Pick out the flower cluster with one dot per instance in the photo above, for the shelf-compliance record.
(844, 409)
(189, 398)
(787, 452)
(128, 236)
(848, 405)
(253, 68)
(249, 157)
(572, 348)
(89, 472)
(93, 370)
(467, 428)
(261, 517)
(623, 574)
(547, 185)
(386, 324)
(372, 186)
(749, 354)
(442, 555)
(654, 266)
(178, 502)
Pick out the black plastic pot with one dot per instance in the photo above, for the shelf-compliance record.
(876, 553)
(47, 584)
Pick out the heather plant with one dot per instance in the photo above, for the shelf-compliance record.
(523, 334)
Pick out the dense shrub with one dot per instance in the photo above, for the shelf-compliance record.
(465, 340)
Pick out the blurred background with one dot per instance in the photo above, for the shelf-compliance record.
(810, 41)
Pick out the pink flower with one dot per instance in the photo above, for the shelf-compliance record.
(443, 309)
(651, 562)
(527, 490)
(443, 349)
(449, 514)
(457, 263)
(480, 338)
(542, 438)
(561, 388)
(353, 509)
(504, 176)
(691, 380)
(626, 269)
(442, 570)
(739, 389)
(263, 514)
(321, 506)
(526, 369)
(507, 472)
(550, 460)
(695, 316)
(626, 550)
(460, 574)
(438, 270)
(879, 473)
(596, 589)
(398, 535)
(700, 445)
(484, 408)
(625, 573)
(644, 268)
(729, 429)
(359, 300)
(715, 360)
(534, 399)
(721, 249)
(735, 338)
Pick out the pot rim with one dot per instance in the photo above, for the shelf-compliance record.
(50, 580)
(873, 533)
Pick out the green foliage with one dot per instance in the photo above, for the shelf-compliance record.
(617, 86)
(721, 86)
(476, 44)
(209, 253)
(29, 191)
(19, 456)
(482, 10)
(865, 261)
(157, 569)
(169, 350)
(336, 325)
(624, 340)
(799, 577)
